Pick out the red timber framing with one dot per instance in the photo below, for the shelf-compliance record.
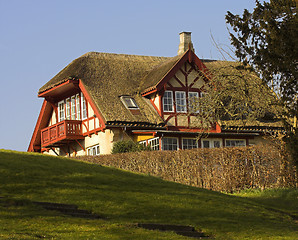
(66, 130)
(189, 58)
(95, 109)
(44, 115)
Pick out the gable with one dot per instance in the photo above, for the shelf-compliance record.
(186, 77)
(161, 75)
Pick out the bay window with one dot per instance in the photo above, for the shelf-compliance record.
(71, 108)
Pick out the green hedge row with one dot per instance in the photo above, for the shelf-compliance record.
(219, 169)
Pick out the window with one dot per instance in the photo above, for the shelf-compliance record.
(180, 101)
(84, 107)
(94, 150)
(189, 143)
(169, 144)
(168, 101)
(67, 108)
(235, 143)
(193, 102)
(73, 108)
(70, 108)
(205, 143)
(61, 111)
(154, 143)
(129, 102)
(211, 143)
(78, 107)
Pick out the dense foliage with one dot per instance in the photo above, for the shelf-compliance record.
(220, 169)
(128, 146)
(266, 41)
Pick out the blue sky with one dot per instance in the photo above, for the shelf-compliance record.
(38, 38)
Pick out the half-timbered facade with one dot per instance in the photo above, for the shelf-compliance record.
(102, 98)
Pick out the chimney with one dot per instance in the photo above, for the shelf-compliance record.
(185, 42)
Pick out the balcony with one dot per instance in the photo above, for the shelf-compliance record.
(61, 132)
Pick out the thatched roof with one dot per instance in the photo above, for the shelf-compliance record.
(108, 76)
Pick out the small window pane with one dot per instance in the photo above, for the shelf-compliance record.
(216, 144)
(129, 102)
(193, 102)
(180, 102)
(78, 107)
(206, 144)
(73, 108)
(235, 143)
(189, 143)
(84, 107)
(170, 144)
(168, 101)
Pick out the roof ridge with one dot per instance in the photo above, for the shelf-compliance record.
(93, 53)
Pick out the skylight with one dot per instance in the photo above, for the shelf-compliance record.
(129, 102)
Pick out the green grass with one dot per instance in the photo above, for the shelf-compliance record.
(124, 199)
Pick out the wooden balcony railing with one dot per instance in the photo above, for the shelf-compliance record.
(65, 130)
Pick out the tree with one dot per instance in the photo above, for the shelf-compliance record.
(265, 41)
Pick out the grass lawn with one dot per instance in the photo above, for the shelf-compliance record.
(124, 199)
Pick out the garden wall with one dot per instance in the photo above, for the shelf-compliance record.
(219, 169)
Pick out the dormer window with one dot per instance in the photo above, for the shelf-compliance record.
(129, 102)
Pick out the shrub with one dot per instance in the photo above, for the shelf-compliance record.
(128, 146)
(219, 169)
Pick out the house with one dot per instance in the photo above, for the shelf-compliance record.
(102, 98)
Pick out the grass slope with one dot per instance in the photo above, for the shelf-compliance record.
(123, 198)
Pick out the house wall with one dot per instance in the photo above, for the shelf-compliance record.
(259, 140)
(91, 123)
(187, 79)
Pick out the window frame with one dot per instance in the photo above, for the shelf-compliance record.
(184, 147)
(61, 111)
(167, 138)
(211, 142)
(67, 109)
(93, 149)
(168, 104)
(180, 102)
(155, 146)
(190, 107)
(129, 102)
(73, 112)
(78, 106)
(84, 107)
(236, 140)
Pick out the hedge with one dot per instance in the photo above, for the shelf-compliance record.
(219, 169)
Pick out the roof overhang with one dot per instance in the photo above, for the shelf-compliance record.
(67, 87)
(194, 134)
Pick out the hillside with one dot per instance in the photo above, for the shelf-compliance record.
(123, 199)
